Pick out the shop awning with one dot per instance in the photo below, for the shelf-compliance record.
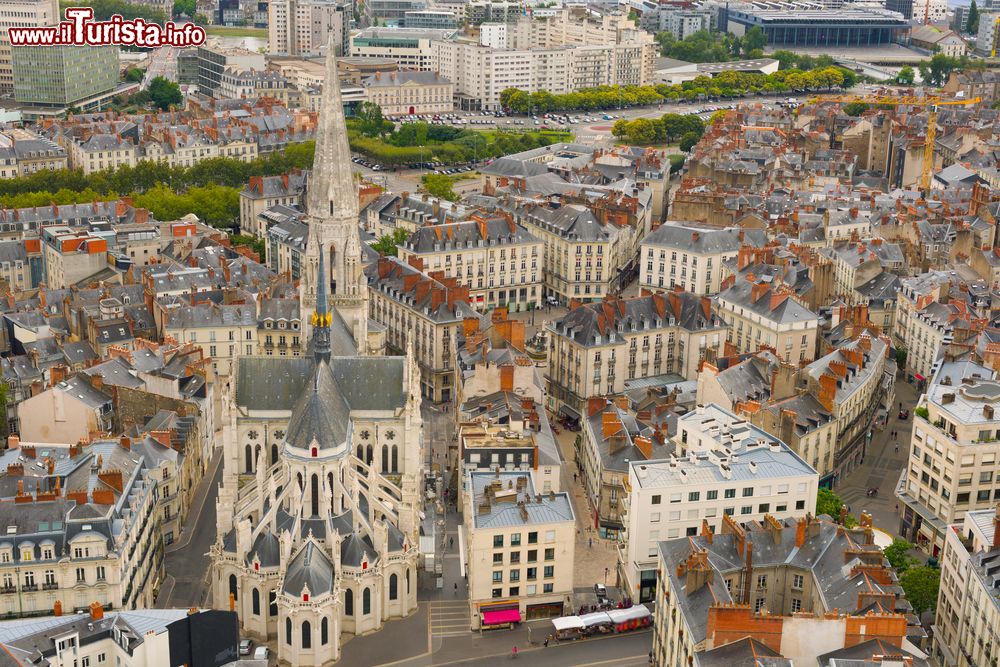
(595, 618)
(567, 411)
(567, 623)
(918, 376)
(632, 613)
(504, 616)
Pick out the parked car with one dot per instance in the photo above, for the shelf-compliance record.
(245, 646)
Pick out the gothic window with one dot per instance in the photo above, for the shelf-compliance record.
(385, 458)
(393, 587)
(324, 631)
(365, 434)
(233, 587)
(315, 495)
(274, 454)
(252, 435)
(366, 602)
(249, 457)
(306, 634)
(256, 602)
(407, 581)
(395, 458)
(349, 602)
(361, 452)
(368, 455)
(256, 454)
(288, 631)
(272, 603)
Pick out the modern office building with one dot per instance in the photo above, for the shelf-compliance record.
(389, 12)
(804, 26)
(60, 76)
(214, 59)
(305, 27)
(410, 48)
(904, 7)
(21, 13)
(431, 20)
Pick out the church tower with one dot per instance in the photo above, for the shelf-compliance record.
(332, 216)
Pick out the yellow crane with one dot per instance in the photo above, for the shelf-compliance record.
(931, 103)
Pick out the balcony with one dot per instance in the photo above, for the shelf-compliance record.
(50, 586)
(29, 587)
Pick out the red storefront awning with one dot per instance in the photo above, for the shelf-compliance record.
(498, 617)
(918, 376)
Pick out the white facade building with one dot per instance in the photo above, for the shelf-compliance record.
(723, 466)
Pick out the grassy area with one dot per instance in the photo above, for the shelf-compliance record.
(227, 31)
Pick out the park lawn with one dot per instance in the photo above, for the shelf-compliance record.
(227, 31)
(557, 135)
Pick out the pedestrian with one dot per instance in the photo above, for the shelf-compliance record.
(546, 642)
(574, 478)
(456, 589)
(897, 448)
(451, 542)
(590, 541)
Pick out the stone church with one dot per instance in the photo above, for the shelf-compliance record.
(318, 510)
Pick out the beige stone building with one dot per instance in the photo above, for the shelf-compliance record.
(409, 92)
(223, 332)
(967, 622)
(72, 256)
(424, 310)
(499, 261)
(69, 411)
(520, 549)
(954, 448)
(596, 348)
(100, 151)
(759, 316)
(264, 192)
(691, 259)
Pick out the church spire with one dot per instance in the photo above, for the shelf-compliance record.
(321, 318)
(331, 188)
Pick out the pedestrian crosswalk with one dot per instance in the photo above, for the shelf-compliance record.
(450, 618)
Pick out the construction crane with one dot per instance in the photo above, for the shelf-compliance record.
(931, 103)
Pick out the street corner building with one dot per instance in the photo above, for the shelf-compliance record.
(318, 514)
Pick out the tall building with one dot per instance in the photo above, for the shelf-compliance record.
(988, 37)
(904, 7)
(17, 14)
(304, 27)
(318, 514)
(63, 75)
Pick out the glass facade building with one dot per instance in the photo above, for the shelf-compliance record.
(63, 75)
(818, 27)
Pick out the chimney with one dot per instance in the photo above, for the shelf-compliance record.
(96, 611)
(125, 442)
(801, 528)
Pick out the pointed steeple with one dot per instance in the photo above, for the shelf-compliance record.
(321, 316)
(331, 188)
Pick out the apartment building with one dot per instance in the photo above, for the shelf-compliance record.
(72, 257)
(723, 469)
(519, 549)
(82, 527)
(20, 264)
(409, 92)
(142, 638)
(954, 448)
(760, 315)
(287, 236)
(305, 27)
(612, 437)
(782, 591)
(692, 259)
(857, 262)
(224, 332)
(23, 152)
(499, 261)
(596, 348)
(101, 151)
(264, 192)
(422, 310)
(59, 76)
(279, 328)
(967, 619)
(582, 255)
(21, 14)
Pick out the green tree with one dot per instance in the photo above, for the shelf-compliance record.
(905, 76)
(255, 243)
(185, 8)
(901, 357)
(134, 74)
(921, 585)
(972, 22)
(165, 93)
(676, 162)
(829, 503)
(896, 554)
(855, 108)
(369, 116)
(754, 40)
(387, 244)
(688, 141)
(439, 185)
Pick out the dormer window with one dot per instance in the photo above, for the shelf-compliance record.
(268, 324)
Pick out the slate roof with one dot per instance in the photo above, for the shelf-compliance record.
(789, 310)
(552, 508)
(467, 234)
(309, 567)
(321, 416)
(746, 652)
(704, 241)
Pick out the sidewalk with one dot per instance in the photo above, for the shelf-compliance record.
(882, 466)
